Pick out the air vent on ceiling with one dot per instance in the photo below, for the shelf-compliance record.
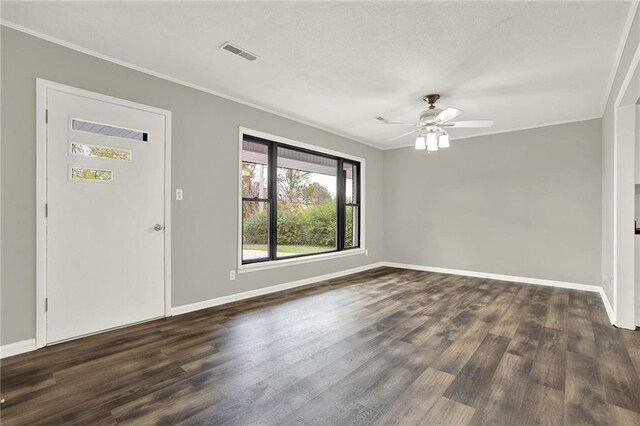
(237, 50)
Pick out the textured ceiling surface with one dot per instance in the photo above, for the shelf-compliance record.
(338, 65)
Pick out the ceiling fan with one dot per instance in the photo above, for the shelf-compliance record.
(433, 122)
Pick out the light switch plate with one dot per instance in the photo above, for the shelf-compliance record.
(179, 194)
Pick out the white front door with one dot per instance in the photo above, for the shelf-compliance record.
(105, 215)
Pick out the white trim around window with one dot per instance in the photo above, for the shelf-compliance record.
(242, 268)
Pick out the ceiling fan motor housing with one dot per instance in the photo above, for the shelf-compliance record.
(429, 115)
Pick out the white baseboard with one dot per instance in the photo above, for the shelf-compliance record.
(499, 277)
(17, 348)
(607, 305)
(266, 290)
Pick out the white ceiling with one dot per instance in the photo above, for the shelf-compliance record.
(339, 65)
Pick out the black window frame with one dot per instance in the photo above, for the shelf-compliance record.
(272, 200)
(343, 209)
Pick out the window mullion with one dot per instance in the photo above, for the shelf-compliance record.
(340, 199)
(273, 196)
(357, 198)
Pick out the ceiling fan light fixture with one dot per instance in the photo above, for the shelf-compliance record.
(443, 141)
(432, 142)
(432, 123)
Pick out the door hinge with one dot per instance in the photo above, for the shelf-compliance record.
(46, 115)
(46, 210)
(46, 304)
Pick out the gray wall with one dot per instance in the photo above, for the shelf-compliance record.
(607, 157)
(524, 203)
(205, 161)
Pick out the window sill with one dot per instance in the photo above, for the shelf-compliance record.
(298, 261)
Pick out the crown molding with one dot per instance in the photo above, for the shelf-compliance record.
(51, 39)
(518, 129)
(621, 45)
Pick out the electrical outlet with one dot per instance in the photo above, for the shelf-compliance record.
(232, 275)
(366, 252)
(179, 194)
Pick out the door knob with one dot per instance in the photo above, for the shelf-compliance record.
(158, 227)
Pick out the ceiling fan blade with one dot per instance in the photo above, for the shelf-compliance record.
(404, 134)
(447, 114)
(385, 121)
(471, 123)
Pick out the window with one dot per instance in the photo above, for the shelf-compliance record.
(256, 201)
(81, 173)
(351, 204)
(95, 151)
(296, 202)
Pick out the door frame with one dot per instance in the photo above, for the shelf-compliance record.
(42, 88)
(624, 158)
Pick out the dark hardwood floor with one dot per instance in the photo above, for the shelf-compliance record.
(388, 346)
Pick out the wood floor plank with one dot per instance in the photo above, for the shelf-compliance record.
(462, 349)
(507, 324)
(549, 363)
(557, 313)
(597, 309)
(581, 338)
(621, 381)
(474, 378)
(355, 414)
(541, 405)
(622, 416)
(447, 412)
(526, 338)
(506, 391)
(387, 346)
(382, 396)
(416, 401)
(631, 341)
(585, 399)
(348, 390)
